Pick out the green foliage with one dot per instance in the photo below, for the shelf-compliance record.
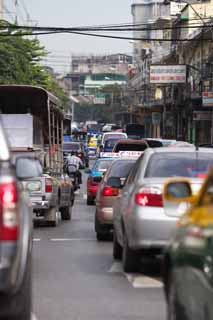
(19, 63)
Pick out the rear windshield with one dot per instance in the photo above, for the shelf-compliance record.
(110, 143)
(121, 168)
(192, 164)
(71, 147)
(114, 136)
(102, 165)
(130, 147)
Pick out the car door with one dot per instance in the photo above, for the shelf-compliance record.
(123, 201)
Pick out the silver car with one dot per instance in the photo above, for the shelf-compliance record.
(107, 196)
(15, 235)
(142, 225)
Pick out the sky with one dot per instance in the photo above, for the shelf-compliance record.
(67, 13)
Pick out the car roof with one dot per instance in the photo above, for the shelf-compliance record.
(129, 141)
(178, 149)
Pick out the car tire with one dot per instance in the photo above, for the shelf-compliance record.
(101, 232)
(53, 214)
(21, 300)
(90, 201)
(117, 249)
(173, 310)
(130, 258)
(65, 213)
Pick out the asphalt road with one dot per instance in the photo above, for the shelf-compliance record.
(75, 277)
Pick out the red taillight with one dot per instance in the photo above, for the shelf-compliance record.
(48, 185)
(9, 220)
(149, 198)
(109, 192)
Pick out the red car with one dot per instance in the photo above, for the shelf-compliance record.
(95, 176)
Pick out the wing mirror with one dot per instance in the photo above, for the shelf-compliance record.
(27, 167)
(88, 171)
(177, 197)
(114, 182)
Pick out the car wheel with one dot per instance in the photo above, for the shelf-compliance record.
(90, 201)
(117, 249)
(130, 258)
(65, 213)
(101, 232)
(173, 311)
(52, 217)
(21, 301)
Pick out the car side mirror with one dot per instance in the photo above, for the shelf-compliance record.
(27, 167)
(88, 171)
(177, 190)
(114, 182)
(177, 197)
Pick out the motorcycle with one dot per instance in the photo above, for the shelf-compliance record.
(73, 174)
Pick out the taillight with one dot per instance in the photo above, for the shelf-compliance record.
(109, 192)
(9, 220)
(149, 197)
(48, 185)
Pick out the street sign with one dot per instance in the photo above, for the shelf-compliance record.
(202, 115)
(207, 99)
(99, 98)
(168, 73)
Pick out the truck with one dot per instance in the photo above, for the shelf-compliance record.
(34, 124)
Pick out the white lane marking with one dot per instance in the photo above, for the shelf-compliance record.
(33, 317)
(137, 280)
(116, 268)
(70, 239)
(36, 239)
(85, 196)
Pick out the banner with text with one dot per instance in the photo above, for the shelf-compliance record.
(168, 74)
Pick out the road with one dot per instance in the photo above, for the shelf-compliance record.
(75, 277)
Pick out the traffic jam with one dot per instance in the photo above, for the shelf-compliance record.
(136, 202)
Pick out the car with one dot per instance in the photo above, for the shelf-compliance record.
(78, 147)
(94, 178)
(109, 144)
(188, 259)
(142, 226)
(113, 135)
(107, 195)
(130, 145)
(15, 234)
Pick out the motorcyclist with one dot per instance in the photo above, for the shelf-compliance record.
(74, 160)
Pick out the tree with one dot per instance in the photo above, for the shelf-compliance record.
(19, 63)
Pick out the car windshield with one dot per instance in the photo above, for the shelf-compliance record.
(121, 168)
(102, 165)
(71, 147)
(130, 147)
(192, 164)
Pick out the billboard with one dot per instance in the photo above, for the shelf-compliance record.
(207, 99)
(168, 73)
